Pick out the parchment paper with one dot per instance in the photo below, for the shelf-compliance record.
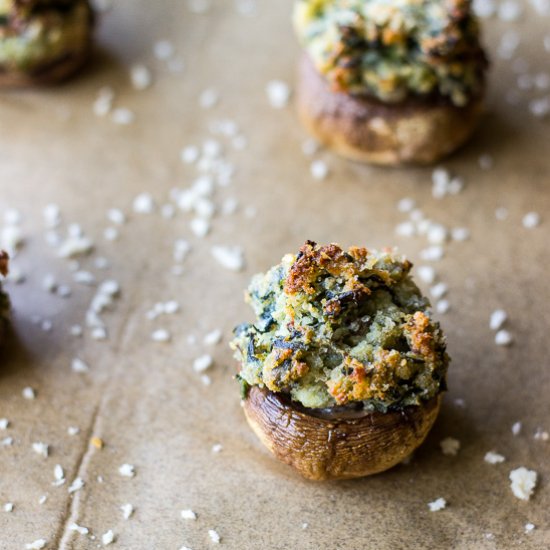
(143, 399)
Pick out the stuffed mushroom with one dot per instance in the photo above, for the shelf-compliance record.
(4, 299)
(390, 81)
(43, 41)
(343, 369)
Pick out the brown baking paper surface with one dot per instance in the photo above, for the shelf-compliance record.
(143, 399)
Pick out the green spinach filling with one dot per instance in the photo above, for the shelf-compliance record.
(338, 328)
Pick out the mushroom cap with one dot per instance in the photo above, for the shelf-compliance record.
(414, 131)
(69, 61)
(337, 444)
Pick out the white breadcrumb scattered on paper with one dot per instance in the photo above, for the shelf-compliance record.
(75, 245)
(51, 215)
(531, 220)
(444, 184)
(161, 335)
(8, 507)
(58, 473)
(406, 204)
(485, 161)
(101, 262)
(185, 548)
(460, 234)
(493, 458)
(497, 319)
(443, 306)
(76, 485)
(49, 282)
(212, 338)
(230, 257)
(509, 10)
(41, 448)
(12, 216)
(541, 435)
(529, 527)
(103, 103)
(127, 510)
(278, 93)
(188, 514)
(217, 448)
(540, 107)
(509, 42)
(168, 211)
(437, 505)
(127, 470)
(426, 273)
(209, 98)
(437, 234)
(73, 430)
(190, 154)
(503, 338)
(163, 308)
(36, 545)
(143, 204)
(516, 428)
(214, 536)
(29, 393)
(123, 116)
(200, 227)
(4, 423)
(433, 253)
(484, 8)
(319, 170)
(64, 291)
(111, 234)
(107, 538)
(6, 442)
(163, 50)
(11, 238)
(229, 206)
(523, 482)
(439, 290)
(140, 76)
(450, 446)
(310, 147)
(181, 250)
(42, 499)
(202, 363)
(81, 530)
(77, 365)
(206, 380)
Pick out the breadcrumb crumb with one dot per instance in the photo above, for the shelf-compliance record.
(437, 505)
(450, 446)
(523, 482)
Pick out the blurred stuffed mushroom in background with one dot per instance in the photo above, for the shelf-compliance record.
(343, 369)
(43, 41)
(390, 81)
(4, 299)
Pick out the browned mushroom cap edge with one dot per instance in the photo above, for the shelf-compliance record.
(322, 448)
(415, 131)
